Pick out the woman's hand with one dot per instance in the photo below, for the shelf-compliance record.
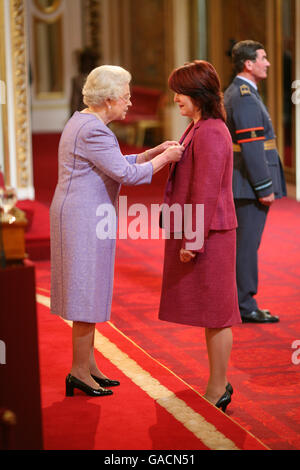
(186, 255)
(155, 151)
(173, 153)
(162, 147)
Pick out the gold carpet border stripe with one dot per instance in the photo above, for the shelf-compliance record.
(183, 381)
(194, 422)
(175, 375)
(191, 420)
(45, 290)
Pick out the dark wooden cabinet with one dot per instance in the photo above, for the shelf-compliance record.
(19, 361)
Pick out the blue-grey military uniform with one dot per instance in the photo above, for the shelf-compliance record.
(257, 173)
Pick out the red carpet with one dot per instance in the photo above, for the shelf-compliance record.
(130, 419)
(266, 401)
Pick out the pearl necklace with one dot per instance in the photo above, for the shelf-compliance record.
(88, 111)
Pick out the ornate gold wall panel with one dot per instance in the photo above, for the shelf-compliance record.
(239, 20)
(92, 20)
(19, 65)
(4, 105)
(148, 42)
(47, 6)
(95, 24)
(49, 57)
(260, 20)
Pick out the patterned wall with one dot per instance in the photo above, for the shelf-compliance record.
(148, 42)
(243, 19)
(91, 18)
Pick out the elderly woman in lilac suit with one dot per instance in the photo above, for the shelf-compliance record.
(91, 171)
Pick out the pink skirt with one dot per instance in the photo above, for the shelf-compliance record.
(203, 291)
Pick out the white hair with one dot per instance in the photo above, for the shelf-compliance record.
(106, 81)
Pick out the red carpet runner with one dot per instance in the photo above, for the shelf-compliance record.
(266, 401)
(144, 412)
(152, 409)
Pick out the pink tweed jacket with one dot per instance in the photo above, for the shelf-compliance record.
(204, 176)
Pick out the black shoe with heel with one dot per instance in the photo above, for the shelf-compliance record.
(106, 382)
(224, 401)
(72, 383)
(229, 388)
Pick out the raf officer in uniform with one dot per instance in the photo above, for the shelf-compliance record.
(257, 175)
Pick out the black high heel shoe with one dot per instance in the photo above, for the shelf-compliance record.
(224, 401)
(72, 382)
(106, 382)
(229, 388)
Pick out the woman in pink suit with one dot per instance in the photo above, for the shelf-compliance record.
(199, 283)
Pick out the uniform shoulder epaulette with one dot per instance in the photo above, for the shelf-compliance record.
(245, 90)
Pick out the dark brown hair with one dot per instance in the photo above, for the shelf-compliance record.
(200, 81)
(244, 50)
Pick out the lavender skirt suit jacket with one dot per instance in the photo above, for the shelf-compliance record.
(91, 171)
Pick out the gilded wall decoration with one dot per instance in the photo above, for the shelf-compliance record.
(148, 43)
(3, 102)
(241, 20)
(18, 41)
(92, 24)
(47, 6)
(95, 24)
